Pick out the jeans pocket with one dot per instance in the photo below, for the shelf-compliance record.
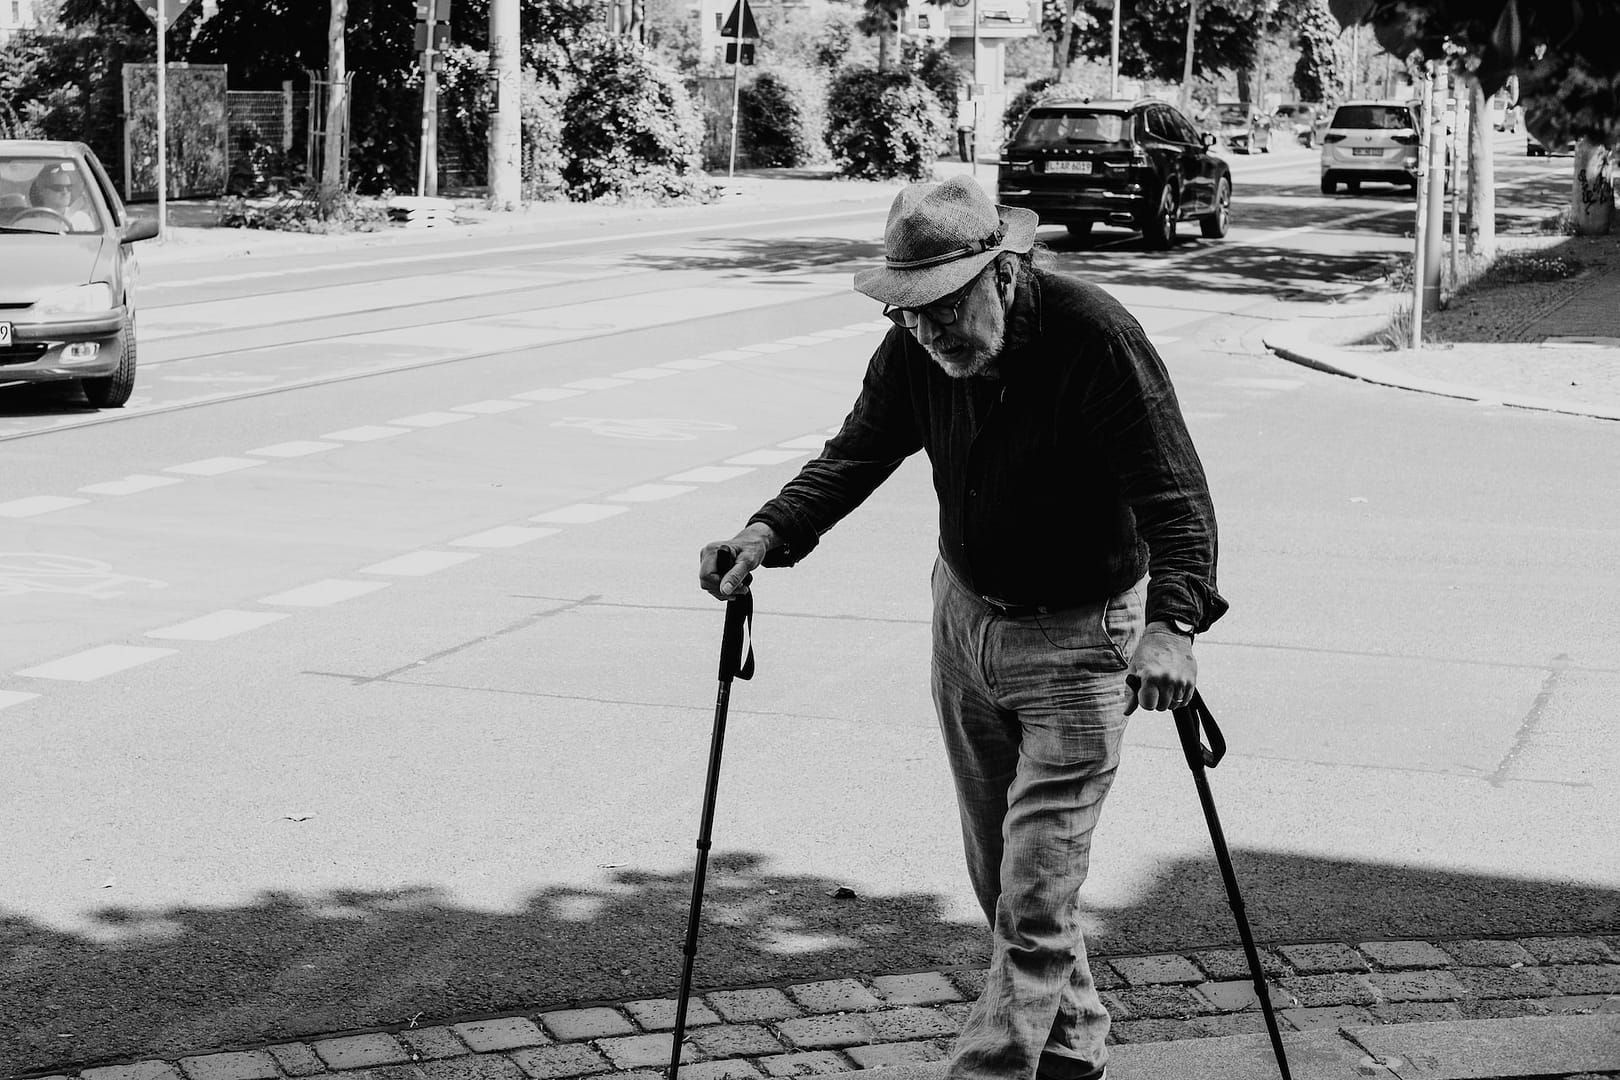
(1084, 632)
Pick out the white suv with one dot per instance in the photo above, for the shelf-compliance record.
(1371, 140)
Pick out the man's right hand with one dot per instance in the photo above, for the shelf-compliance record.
(748, 549)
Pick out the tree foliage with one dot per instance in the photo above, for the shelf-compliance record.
(1316, 73)
(782, 118)
(1153, 37)
(884, 124)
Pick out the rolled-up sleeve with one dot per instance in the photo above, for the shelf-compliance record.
(1161, 479)
(880, 432)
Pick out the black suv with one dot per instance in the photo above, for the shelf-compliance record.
(1139, 164)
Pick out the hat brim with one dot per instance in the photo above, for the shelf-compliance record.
(916, 288)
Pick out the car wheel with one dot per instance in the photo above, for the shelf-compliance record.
(1329, 185)
(111, 391)
(1159, 230)
(1214, 226)
(1353, 186)
(1080, 228)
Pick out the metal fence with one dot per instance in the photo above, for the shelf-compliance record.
(268, 137)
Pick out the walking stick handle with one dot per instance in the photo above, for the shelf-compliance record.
(736, 638)
(1189, 719)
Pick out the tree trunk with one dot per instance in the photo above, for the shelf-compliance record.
(1245, 85)
(1592, 198)
(337, 104)
(1187, 68)
(1065, 45)
(1481, 175)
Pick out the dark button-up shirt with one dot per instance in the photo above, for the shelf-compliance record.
(1061, 480)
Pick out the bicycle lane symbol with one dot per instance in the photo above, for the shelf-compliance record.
(71, 575)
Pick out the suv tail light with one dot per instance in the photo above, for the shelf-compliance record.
(1406, 140)
(1332, 138)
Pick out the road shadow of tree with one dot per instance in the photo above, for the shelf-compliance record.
(189, 980)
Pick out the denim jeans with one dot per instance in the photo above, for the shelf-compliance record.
(1032, 709)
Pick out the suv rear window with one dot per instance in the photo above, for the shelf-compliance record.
(1373, 117)
(1070, 127)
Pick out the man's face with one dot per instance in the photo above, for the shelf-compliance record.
(971, 344)
(58, 191)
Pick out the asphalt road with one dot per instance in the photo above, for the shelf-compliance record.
(357, 671)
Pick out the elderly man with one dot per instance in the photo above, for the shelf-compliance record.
(1076, 562)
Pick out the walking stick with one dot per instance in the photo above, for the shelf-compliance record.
(1189, 719)
(735, 638)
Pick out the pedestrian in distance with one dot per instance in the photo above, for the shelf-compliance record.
(1076, 562)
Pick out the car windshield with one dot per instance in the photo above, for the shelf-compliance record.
(1069, 127)
(1375, 117)
(42, 194)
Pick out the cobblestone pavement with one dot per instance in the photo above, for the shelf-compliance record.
(863, 1022)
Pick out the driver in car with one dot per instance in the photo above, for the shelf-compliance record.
(58, 190)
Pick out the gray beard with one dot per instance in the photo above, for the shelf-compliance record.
(981, 362)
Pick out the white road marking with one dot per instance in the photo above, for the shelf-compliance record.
(491, 407)
(322, 593)
(296, 448)
(14, 697)
(431, 419)
(129, 485)
(419, 563)
(645, 373)
(596, 384)
(765, 348)
(872, 327)
(835, 335)
(548, 393)
(805, 442)
(710, 474)
(220, 624)
(765, 457)
(1263, 384)
(578, 514)
(34, 505)
(650, 492)
(365, 433)
(696, 363)
(215, 466)
(94, 663)
(803, 339)
(503, 537)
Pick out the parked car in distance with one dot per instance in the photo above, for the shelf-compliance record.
(1141, 165)
(1242, 128)
(1371, 141)
(67, 271)
(1534, 147)
(1301, 121)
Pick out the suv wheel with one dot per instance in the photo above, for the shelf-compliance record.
(1329, 185)
(1159, 230)
(1080, 228)
(1214, 225)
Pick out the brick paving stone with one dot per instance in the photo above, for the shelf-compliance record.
(805, 1063)
(1104, 974)
(1504, 982)
(957, 1011)
(1160, 970)
(1234, 996)
(640, 1051)
(1569, 950)
(361, 1051)
(1417, 985)
(573, 1025)
(1225, 964)
(833, 995)
(912, 1022)
(236, 1065)
(1578, 1004)
(737, 1040)
(470, 1067)
(920, 988)
(1323, 959)
(970, 981)
(296, 1059)
(433, 1043)
(1404, 955)
(1415, 1012)
(140, 1070)
(721, 1070)
(560, 1060)
(901, 1053)
(826, 1032)
(1116, 1008)
(1160, 1002)
(1586, 978)
(1485, 952)
(398, 1072)
(1327, 991)
(741, 1006)
(658, 1014)
(1199, 1027)
(1500, 1008)
(1329, 1016)
(502, 1033)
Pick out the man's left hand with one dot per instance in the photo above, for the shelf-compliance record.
(1163, 672)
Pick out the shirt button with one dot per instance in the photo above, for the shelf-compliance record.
(973, 493)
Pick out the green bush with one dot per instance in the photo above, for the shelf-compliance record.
(939, 69)
(630, 130)
(884, 124)
(782, 119)
(310, 209)
(543, 158)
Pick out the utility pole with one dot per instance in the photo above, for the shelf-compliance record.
(1435, 234)
(1187, 68)
(505, 118)
(1113, 56)
(432, 35)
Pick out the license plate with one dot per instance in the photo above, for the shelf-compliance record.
(1367, 151)
(1081, 167)
(5, 335)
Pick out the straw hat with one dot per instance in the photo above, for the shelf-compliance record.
(938, 237)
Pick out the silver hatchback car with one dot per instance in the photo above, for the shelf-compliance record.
(1375, 141)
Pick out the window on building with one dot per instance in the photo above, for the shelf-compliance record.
(16, 12)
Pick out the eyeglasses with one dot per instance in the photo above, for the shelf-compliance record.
(942, 312)
(58, 187)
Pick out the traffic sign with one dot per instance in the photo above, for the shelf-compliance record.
(741, 17)
(440, 40)
(439, 10)
(170, 11)
(747, 58)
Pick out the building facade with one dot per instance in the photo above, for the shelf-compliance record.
(17, 15)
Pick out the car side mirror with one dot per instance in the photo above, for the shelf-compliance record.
(1210, 140)
(140, 229)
